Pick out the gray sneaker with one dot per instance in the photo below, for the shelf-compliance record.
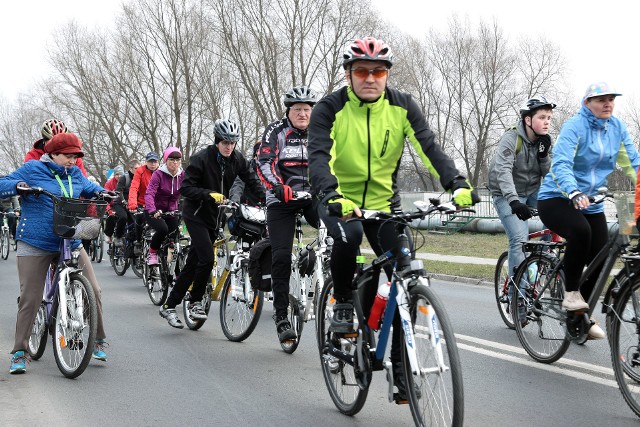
(171, 316)
(197, 312)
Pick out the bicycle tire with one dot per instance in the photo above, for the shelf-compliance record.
(339, 377)
(239, 316)
(120, 261)
(100, 248)
(137, 265)
(442, 393)
(14, 244)
(4, 237)
(73, 344)
(625, 350)
(38, 337)
(544, 336)
(155, 284)
(500, 278)
(91, 252)
(294, 313)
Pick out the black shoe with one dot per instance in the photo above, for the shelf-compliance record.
(342, 320)
(283, 328)
(398, 380)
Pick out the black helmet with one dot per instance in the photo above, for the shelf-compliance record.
(226, 130)
(300, 94)
(535, 103)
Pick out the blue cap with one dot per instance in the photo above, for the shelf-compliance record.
(152, 156)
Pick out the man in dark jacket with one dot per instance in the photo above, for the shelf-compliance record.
(206, 183)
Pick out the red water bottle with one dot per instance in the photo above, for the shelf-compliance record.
(380, 302)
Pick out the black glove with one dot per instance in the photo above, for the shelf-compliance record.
(109, 194)
(544, 142)
(520, 210)
(284, 193)
(576, 197)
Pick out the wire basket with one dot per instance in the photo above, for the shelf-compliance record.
(77, 218)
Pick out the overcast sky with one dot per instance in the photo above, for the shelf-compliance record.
(599, 39)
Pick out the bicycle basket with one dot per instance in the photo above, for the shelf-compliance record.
(77, 218)
(625, 211)
(248, 223)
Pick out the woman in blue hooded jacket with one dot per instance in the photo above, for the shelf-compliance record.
(588, 148)
(38, 245)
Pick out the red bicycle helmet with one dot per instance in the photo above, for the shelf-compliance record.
(52, 127)
(368, 49)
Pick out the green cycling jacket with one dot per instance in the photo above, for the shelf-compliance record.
(355, 147)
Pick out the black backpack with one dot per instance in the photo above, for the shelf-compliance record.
(260, 265)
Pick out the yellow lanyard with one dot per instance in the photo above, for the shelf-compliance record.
(64, 190)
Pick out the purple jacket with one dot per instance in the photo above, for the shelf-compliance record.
(162, 192)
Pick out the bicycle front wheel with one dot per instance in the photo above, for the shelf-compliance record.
(5, 244)
(137, 265)
(294, 313)
(38, 337)
(434, 389)
(74, 339)
(501, 287)
(100, 246)
(344, 381)
(240, 307)
(625, 343)
(157, 288)
(120, 260)
(540, 292)
(195, 324)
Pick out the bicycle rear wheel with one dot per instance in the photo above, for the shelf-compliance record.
(38, 337)
(501, 287)
(347, 391)
(240, 307)
(625, 344)
(195, 324)
(294, 312)
(73, 342)
(543, 336)
(4, 237)
(137, 265)
(440, 401)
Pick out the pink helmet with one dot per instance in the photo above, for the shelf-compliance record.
(368, 49)
(169, 151)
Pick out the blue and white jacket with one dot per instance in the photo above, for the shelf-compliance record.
(36, 218)
(585, 154)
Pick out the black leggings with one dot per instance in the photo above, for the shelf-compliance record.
(162, 227)
(198, 265)
(585, 234)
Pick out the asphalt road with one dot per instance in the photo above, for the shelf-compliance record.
(157, 375)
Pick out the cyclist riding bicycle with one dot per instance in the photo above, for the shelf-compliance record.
(520, 162)
(50, 128)
(112, 219)
(356, 140)
(283, 169)
(120, 205)
(38, 246)
(206, 183)
(11, 207)
(162, 195)
(139, 183)
(585, 154)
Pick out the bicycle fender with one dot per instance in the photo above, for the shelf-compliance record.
(618, 282)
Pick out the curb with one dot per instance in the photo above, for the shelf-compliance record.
(460, 279)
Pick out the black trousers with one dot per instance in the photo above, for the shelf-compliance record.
(198, 265)
(585, 234)
(281, 224)
(162, 227)
(110, 225)
(347, 238)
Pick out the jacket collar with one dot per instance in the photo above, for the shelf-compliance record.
(369, 104)
(594, 122)
(60, 170)
(165, 169)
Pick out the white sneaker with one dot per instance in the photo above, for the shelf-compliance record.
(573, 301)
(595, 332)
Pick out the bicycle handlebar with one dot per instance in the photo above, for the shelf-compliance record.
(424, 209)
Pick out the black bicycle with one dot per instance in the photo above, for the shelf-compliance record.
(431, 364)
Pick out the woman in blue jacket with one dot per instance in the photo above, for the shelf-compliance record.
(586, 152)
(38, 246)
